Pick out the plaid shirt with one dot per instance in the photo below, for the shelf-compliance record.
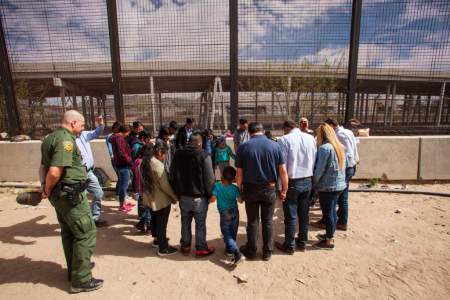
(121, 150)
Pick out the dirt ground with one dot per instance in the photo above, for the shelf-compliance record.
(383, 255)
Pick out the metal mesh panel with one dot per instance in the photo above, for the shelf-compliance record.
(171, 53)
(175, 62)
(293, 60)
(404, 60)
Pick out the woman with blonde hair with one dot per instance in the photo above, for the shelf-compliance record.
(329, 180)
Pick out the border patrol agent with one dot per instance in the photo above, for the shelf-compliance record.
(63, 178)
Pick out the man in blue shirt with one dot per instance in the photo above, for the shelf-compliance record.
(299, 151)
(259, 164)
(94, 188)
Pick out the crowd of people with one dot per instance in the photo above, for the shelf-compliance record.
(179, 167)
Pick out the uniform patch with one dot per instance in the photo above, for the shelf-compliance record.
(68, 146)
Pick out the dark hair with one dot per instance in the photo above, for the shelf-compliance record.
(136, 124)
(173, 125)
(290, 124)
(208, 132)
(269, 135)
(144, 133)
(242, 121)
(255, 127)
(189, 120)
(196, 138)
(148, 151)
(229, 173)
(115, 127)
(331, 121)
(124, 128)
(162, 132)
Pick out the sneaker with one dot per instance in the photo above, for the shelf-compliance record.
(185, 250)
(128, 197)
(136, 196)
(323, 245)
(205, 253)
(238, 259)
(168, 251)
(229, 254)
(129, 204)
(155, 243)
(88, 286)
(283, 248)
(317, 224)
(322, 237)
(100, 223)
(124, 209)
(140, 227)
(148, 232)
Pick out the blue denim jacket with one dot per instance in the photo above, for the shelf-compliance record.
(327, 175)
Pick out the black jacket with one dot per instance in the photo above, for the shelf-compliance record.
(213, 145)
(182, 135)
(191, 172)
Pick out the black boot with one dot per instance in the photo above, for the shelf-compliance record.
(91, 266)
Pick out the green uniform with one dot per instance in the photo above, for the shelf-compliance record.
(78, 230)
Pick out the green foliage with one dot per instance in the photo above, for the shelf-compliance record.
(373, 181)
(298, 85)
(30, 104)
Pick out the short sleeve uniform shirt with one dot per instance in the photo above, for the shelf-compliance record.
(59, 149)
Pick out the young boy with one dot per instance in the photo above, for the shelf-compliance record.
(227, 195)
(223, 153)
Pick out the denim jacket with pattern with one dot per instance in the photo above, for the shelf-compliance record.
(327, 175)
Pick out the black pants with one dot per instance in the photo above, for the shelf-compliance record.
(159, 225)
(256, 197)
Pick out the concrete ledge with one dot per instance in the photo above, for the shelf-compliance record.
(392, 158)
(434, 158)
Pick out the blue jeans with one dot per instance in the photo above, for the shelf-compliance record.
(229, 224)
(96, 191)
(342, 212)
(146, 217)
(328, 202)
(296, 204)
(198, 210)
(123, 177)
(117, 182)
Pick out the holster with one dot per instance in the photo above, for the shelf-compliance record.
(74, 190)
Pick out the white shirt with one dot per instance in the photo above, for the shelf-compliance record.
(349, 141)
(300, 152)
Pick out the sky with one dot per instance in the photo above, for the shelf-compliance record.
(399, 34)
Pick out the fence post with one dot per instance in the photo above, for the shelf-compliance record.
(353, 59)
(441, 103)
(234, 95)
(8, 90)
(115, 59)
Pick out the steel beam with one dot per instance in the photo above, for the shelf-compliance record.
(115, 59)
(234, 95)
(441, 103)
(353, 59)
(8, 90)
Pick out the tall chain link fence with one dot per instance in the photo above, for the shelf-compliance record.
(174, 59)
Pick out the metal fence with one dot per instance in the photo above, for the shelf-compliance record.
(217, 61)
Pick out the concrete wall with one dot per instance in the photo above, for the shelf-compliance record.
(434, 158)
(392, 158)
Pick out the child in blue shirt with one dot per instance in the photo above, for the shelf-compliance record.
(222, 154)
(228, 195)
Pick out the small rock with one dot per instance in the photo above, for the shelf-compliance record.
(437, 224)
(309, 276)
(448, 232)
(394, 241)
(443, 225)
(398, 211)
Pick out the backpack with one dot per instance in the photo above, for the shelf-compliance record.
(102, 177)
